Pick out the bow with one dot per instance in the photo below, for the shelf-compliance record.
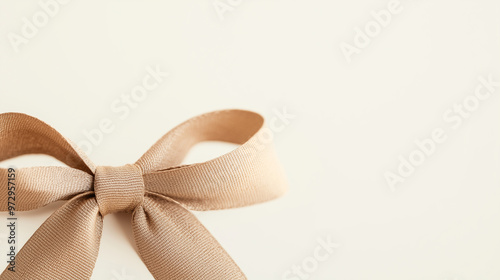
(157, 190)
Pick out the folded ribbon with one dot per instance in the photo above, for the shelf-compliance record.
(157, 190)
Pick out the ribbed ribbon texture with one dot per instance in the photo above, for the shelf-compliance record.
(157, 191)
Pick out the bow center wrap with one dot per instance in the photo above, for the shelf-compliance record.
(118, 189)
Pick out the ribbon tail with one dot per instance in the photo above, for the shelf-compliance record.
(65, 246)
(175, 245)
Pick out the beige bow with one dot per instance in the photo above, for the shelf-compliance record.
(156, 189)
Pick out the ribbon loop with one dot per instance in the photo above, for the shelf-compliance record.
(118, 189)
(21, 134)
(43, 185)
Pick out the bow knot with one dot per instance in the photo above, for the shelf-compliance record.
(118, 189)
(158, 189)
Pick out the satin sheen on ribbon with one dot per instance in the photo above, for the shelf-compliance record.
(157, 190)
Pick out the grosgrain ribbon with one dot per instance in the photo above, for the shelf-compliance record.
(157, 190)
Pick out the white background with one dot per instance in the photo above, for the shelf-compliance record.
(351, 122)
